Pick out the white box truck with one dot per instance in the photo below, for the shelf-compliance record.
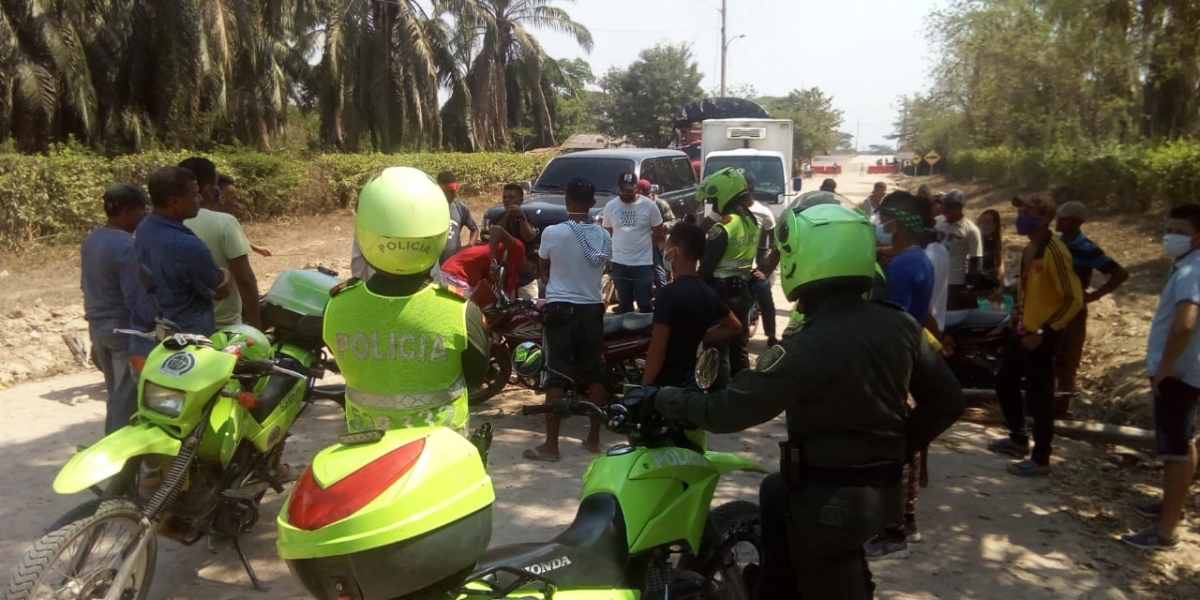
(759, 146)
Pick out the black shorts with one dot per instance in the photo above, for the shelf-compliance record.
(1175, 419)
(572, 335)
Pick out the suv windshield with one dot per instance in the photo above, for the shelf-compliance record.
(768, 170)
(602, 172)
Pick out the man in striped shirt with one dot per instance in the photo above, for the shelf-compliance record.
(1086, 258)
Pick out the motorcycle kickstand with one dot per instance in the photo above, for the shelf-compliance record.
(237, 546)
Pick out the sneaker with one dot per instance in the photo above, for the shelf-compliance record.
(1150, 539)
(1005, 445)
(1150, 509)
(911, 533)
(879, 548)
(1028, 468)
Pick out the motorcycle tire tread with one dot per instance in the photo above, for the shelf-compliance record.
(34, 564)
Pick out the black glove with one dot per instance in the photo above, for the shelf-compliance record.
(635, 408)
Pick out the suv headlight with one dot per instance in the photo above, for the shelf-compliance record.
(163, 400)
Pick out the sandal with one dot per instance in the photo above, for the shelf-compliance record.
(536, 454)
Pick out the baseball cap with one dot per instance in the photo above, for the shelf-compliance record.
(119, 196)
(581, 190)
(1041, 203)
(1073, 209)
(627, 179)
(643, 186)
(954, 196)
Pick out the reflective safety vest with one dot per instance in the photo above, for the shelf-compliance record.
(401, 356)
(743, 234)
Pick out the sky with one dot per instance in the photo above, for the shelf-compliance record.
(864, 53)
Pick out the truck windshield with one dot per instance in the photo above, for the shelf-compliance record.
(602, 172)
(768, 170)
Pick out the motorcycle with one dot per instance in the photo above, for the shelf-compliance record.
(195, 460)
(516, 327)
(979, 337)
(407, 514)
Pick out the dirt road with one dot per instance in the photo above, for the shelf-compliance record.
(987, 535)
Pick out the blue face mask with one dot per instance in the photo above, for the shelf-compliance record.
(882, 237)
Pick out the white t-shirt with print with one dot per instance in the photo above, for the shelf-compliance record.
(632, 224)
(963, 241)
(573, 278)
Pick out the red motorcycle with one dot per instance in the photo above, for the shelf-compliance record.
(516, 328)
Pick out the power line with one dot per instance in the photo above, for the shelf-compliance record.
(653, 30)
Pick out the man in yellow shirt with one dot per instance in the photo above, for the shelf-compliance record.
(1048, 298)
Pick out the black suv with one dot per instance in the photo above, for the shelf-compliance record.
(545, 205)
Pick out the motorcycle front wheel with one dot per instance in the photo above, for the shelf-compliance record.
(732, 541)
(81, 559)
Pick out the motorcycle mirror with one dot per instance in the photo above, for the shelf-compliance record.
(527, 359)
(706, 368)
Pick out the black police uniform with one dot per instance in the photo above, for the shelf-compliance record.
(843, 377)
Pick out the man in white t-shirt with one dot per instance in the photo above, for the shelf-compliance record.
(636, 226)
(573, 255)
(965, 245)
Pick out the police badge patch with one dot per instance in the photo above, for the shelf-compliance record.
(770, 359)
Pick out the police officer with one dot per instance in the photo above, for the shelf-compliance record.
(729, 258)
(408, 348)
(843, 376)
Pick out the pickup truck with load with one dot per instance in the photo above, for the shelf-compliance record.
(545, 204)
(759, 146)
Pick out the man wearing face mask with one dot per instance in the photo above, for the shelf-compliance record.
(1048, 297)
(1173, 363)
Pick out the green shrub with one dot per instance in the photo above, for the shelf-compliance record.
(57, 197)
(1120, 177)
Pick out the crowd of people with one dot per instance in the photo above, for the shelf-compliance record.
(879, 279)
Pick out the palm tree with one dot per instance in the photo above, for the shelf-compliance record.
(509, 59)
(381, 66)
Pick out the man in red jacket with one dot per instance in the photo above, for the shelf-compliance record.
(472, 266)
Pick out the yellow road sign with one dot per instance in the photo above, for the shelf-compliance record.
(932, 157)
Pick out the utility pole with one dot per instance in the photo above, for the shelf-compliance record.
(724, 48)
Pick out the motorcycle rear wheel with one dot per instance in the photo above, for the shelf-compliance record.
(38, 566)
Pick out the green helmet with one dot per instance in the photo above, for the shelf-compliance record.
(243, 340)
(824, 242)
(527, 359)
(402, 221)
(722, 187)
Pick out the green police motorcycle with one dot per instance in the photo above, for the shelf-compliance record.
(197, 457)
(407, 514)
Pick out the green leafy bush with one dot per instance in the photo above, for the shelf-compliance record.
(1121, 177)
(56, 197)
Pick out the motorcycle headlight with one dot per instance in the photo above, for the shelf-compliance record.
(163, 400)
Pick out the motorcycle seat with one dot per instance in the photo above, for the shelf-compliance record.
(633, 322)
(277, 388)
(974, 319)
(591, 552)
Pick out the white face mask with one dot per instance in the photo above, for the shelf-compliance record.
(1177, 244)
(667, 256)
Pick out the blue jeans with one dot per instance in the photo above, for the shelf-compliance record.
(633, 283)
(111, 354)
(766, 306)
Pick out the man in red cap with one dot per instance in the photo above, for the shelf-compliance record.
(460, 216)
